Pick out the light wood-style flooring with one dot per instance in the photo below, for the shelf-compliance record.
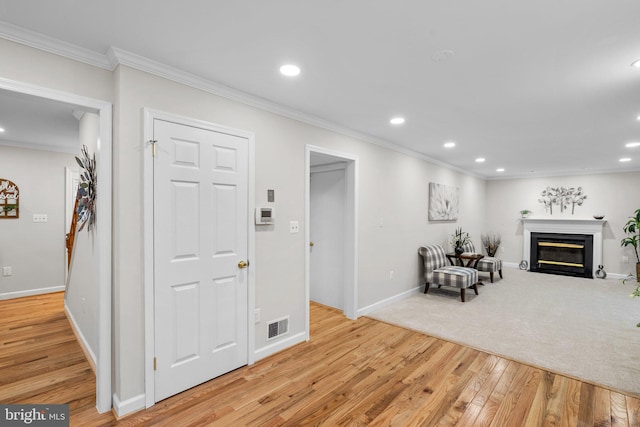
(351, 373)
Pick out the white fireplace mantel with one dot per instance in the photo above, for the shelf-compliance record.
(592, 227)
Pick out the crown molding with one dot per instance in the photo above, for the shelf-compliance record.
(55, 46)
(116, 56)
(129, 59)
(562, 174)
(39, 147)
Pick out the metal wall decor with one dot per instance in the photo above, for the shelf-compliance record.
(9, 200)
(562, 197)
(86, 196)
(443, 202)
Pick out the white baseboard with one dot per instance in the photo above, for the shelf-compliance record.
(511, 264)
(263, 352)
(84, 345)
(136, 403)
(406, 294)
(30, 292)
(617, 276)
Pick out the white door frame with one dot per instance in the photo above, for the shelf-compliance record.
(103, 225)
(149, 322)
(351, 231)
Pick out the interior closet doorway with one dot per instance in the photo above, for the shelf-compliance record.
(331, 270)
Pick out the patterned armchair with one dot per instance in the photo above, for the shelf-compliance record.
(438, 272)
(487, 264)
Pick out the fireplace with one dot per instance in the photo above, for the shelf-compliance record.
(567, 227)
(566, 254)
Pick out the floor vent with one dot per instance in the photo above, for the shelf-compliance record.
(278, 327)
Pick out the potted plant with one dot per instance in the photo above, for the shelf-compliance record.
(458, 239)
(632, 227)
(525, 213)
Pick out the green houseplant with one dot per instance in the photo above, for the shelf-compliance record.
(632, 227)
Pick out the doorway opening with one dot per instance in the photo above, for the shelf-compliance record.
(102, 252)
(331, 262)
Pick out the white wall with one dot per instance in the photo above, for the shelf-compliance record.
(81, 298)
(614, 195)
(35, 251)
(392, 186)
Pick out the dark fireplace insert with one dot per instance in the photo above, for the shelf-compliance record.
(565, 254)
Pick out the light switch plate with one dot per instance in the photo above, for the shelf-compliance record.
(294, 227)
(39, 217)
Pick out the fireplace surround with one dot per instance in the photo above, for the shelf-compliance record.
(570, 230)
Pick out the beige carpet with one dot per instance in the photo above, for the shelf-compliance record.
(583, 328)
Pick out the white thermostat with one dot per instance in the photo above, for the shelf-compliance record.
(264, 216)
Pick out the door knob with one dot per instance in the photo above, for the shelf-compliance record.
(311, 244)
(243, 264)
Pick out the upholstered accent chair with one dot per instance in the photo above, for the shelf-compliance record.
(438, 271)
(487, 264)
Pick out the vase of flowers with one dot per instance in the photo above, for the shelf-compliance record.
(458, 239)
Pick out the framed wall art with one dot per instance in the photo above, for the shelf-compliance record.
(9, 200)
(443, 202)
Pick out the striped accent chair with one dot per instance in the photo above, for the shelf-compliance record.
(438, 272)
(487, 264)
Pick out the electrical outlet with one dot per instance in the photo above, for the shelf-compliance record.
(6, 271)
(294, 227)
(39, 217)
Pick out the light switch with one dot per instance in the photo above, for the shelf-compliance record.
(39, 217)
(294, 227)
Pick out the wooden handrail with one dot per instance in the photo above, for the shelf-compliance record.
(71, 235)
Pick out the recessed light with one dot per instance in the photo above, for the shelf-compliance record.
(625, 159)
(636, 63)
(500, 170)
(480, 159)
(449, 144)
(632, 144)
(290, 70)
(397, 121)
(1, 129)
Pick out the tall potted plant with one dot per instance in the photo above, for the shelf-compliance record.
(632, 227)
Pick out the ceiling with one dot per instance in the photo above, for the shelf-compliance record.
(537, 88)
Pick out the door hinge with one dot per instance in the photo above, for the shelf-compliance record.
(153, 143)
(155, 365)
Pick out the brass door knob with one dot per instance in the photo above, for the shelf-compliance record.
(243, 264)
(311, 244)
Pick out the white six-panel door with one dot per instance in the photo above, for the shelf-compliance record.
(200, 242)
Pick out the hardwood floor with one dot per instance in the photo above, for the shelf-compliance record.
(360, 372)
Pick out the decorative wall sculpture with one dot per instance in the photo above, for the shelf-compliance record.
(86, 196)
(9, 200)
(562, 197)
(443, 202)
